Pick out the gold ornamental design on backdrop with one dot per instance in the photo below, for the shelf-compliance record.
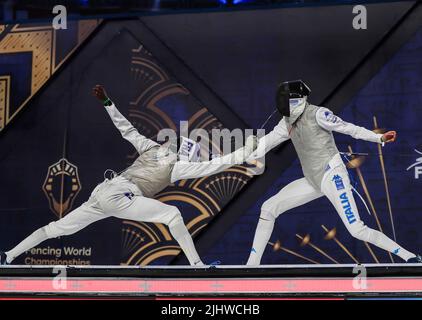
(4, 99)
(48, 49)
(61, 186)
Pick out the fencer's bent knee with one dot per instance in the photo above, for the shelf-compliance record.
(57, 228)
(173, 217)
(360, 232)
(266, 215)
(51, 230)
(269, 210)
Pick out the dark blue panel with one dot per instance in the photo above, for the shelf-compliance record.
(66, 40)
(242, 56)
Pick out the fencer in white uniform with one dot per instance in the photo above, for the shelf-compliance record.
(310, 129)
(129, 194)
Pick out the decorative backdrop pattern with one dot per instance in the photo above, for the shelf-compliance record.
(29, 56)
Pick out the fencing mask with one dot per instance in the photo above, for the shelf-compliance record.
(289, 94)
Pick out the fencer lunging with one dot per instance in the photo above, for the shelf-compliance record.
(310, 129)
(129, 195)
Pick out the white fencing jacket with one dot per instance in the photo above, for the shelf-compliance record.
(157, 167)
(313, 132)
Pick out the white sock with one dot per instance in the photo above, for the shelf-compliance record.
(382, 241)
(404, 254)
(262, 236)
(181, 234)
(28, 243)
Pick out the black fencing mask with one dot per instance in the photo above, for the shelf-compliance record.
(290, 90)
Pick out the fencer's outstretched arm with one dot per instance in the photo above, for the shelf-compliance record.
(127, 130)
(328, 121)
(192, 170)
(279, 134)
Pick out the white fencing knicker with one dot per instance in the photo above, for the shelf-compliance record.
(337, 188)
(120, 198)
(117, 197)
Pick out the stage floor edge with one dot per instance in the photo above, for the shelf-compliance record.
(162, 281)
